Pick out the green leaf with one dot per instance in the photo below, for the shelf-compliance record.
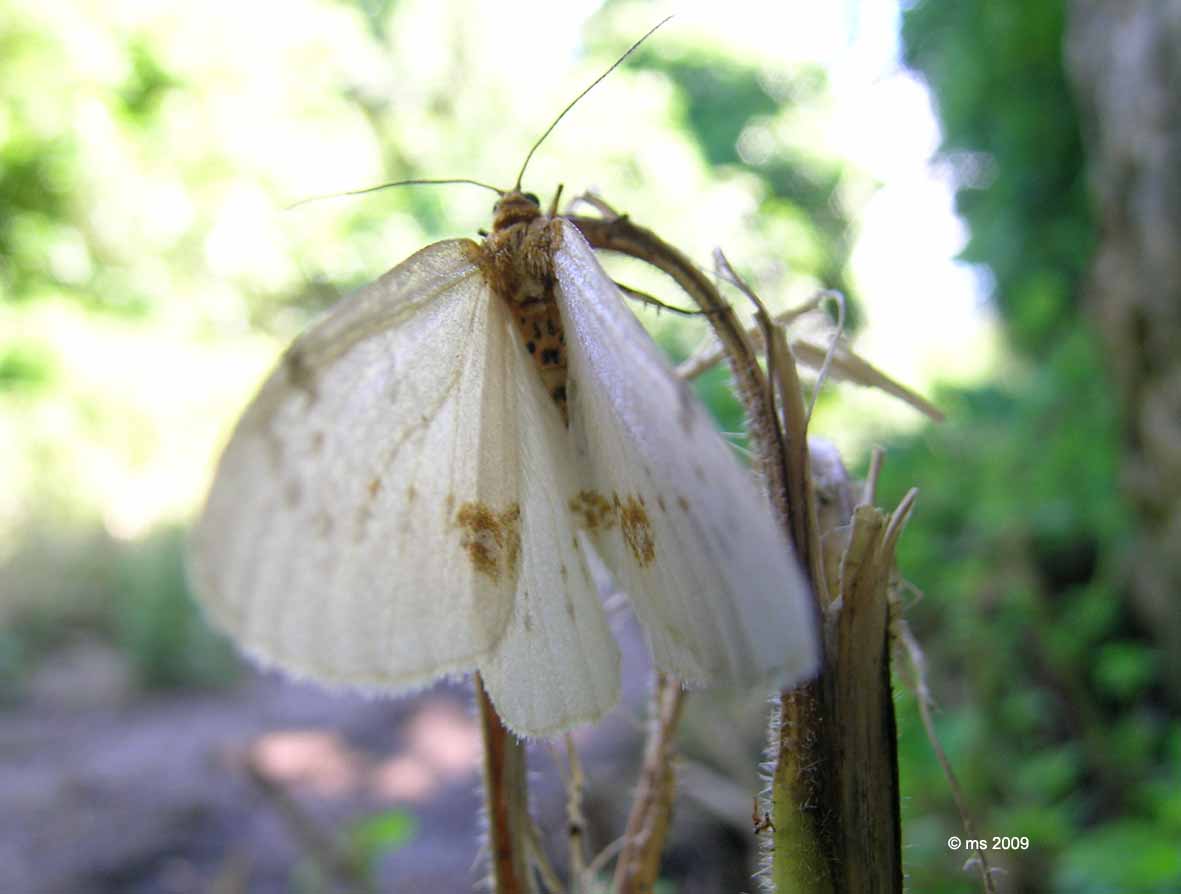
(381, 834)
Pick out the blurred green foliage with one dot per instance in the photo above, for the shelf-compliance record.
(363, 843)
(726, 104)
(1051, 708)
(377, 836)
(158, 626)
(1012, 143)
(77, 585)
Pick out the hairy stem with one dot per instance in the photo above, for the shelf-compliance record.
(506, 800)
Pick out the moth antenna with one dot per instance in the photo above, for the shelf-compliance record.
(574, 102)
(414, 182)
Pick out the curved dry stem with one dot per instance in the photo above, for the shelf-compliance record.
(617, 233)
(799, 502)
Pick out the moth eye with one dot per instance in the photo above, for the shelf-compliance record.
(532, 198)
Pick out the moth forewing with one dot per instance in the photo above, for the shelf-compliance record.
(333, 540)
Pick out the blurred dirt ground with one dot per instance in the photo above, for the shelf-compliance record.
(106, 790)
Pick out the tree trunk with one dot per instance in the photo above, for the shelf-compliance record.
(1124, 60)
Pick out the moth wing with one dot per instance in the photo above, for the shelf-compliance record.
(360, 526)
(558, 663)
(678, 521)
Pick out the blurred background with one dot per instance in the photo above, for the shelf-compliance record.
(992, 183)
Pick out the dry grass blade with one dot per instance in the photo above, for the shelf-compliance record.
(849, 367)
(844, 364)
(797, 503)
(918, 665)
(335, 865)
(647, 825)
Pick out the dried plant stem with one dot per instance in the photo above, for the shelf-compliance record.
(796, 502)
(506, 800)
(850, 367)
(541, 863)
(802, 856)
(865, 747)
(846, 365)
(336, 865)
(918, 665)
(575, 820)
(834, 789)
(870, 492)
(647, 825)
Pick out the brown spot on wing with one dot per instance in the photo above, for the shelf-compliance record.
(492, 540)
(637, 529)
(592, 510)
(374, 488)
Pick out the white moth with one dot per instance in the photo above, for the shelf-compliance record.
(412, 491)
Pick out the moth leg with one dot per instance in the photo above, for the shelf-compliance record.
(651, 301)
(553, 206)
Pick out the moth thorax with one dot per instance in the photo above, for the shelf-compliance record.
(515, 208)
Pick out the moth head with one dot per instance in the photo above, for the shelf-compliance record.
(515, 207)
